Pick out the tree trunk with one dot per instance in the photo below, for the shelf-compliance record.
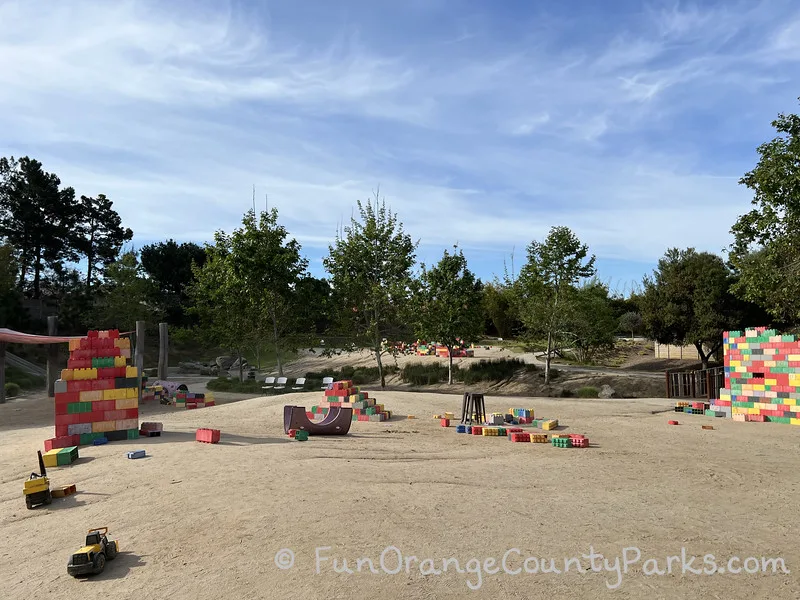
(275, 340)
(378, 352)
(89, 269)
(704, 358)
(241, 367)
(547, 358)
(450, 366)
(37, 275)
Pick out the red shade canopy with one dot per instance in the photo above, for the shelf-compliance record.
(15, 337)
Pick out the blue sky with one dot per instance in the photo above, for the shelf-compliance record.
(483, 123)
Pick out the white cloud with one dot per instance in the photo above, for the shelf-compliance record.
(175, 112)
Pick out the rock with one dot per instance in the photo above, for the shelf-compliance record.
(225, 362)
(607, 392)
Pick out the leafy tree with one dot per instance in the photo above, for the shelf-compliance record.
(37, 217)
(631, 321)
(245, 290)
(447, 304)
(169, 265)
(590, 324)
(498, 303)
(688, 300)
(269, 267)
(766, 249)
(99, 235)
(11, 310)
(370, 267)
(224, 311)
(125, 296)
(314, 304)
(544, 287)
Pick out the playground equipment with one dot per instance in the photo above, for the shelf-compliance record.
(37, 488)
(473, 408)
(336, 422)
(91, 558)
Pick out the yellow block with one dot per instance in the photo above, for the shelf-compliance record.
(119, 361)
(32, 486)
(793, 357)
(771, 381)
(74, 345)
(131, 393)
(50, 458)
(101, 426)
(736, 363)
(744, 346)
(795, 421)
(107, 394)
(753, 411)
(126, 403)
(551, 424)
(131, 371)
(790, 401)
(67, 375)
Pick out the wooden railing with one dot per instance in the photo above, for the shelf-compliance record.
(704, 383)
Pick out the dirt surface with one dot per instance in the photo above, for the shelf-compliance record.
(198, 521)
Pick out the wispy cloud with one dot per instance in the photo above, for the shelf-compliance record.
(633, 130)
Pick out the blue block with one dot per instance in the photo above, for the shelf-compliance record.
(99, 441)
(137, 454)
(461, 429)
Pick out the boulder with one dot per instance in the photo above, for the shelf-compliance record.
(225, 362)
(607, 392)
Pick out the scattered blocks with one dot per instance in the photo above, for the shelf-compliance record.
(66, 441)
(208, 436)
(292, 432)
(137, 454)
(707, 427)
(476, 430)
(445, 422)
(150, 429)
(410, 417)
(301, 435)
(561, 442)
(672, 423)
(520, 437)
(538, 438)
(461, 429)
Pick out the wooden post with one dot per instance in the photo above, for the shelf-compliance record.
(163, 351)
(668, 391)
(52, 357)
(2, 372)
(139, 355)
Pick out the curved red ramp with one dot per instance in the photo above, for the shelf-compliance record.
(336, 422)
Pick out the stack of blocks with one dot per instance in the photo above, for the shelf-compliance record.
(97, 395)
(762, 377)
(191, 400)
(59, 457)
(693, 408)
(345, 394)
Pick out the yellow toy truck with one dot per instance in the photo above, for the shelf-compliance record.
(37, 488)
(91, 559)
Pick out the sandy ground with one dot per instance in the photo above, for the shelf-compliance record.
(199, 521)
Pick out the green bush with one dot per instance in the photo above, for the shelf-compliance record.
(425, 373)
(588, 392)
(222, 384)
(490, 370)
(12, 389)
(23, 379)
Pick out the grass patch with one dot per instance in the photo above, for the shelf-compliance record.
(24, 380)
(588, 391)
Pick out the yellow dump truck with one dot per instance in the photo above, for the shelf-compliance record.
(37, 488)
(91, 558)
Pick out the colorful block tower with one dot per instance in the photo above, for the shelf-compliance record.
(762, 377)
(344, 393)
(98, 393)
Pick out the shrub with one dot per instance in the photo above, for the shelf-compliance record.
(588, 392)
(428, 373)
(12, 389)
(490, 370)
(249, 386)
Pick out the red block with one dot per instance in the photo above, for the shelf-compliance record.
(292, 433)
(61, 409)
(79, 386)
(310, 415)
(363, 417)
(209, 436)
(103, 384)
(477, 430)
(61, 429)
(519, 437)
(445, 422)
(131, 413)
(65, 441)
(67, 397)
(190, 405)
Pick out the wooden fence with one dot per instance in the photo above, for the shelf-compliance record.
(704, 383)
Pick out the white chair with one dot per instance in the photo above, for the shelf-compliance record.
(280, 383)
(299, 384)
(269, 383)
(326, 381)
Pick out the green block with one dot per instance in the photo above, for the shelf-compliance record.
(787, 338)
(355, 417)
(371, 411)
(66, 456)
(133, 434)
(301, 436)
(86, 439)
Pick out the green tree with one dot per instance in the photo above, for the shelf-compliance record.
(314, 304)
(169, 265)
(498, 304)
(37, 217)
(687, 300)
(11, 311)
(590, 324)
(370, 267)
(125, 296)
(225, 312)
(766, 248)
(447, 304)
(631, 322)
(269, 267)
(545, 284)
(99, 235)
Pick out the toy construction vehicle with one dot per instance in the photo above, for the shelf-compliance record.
(37, 487)
(91, 559)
